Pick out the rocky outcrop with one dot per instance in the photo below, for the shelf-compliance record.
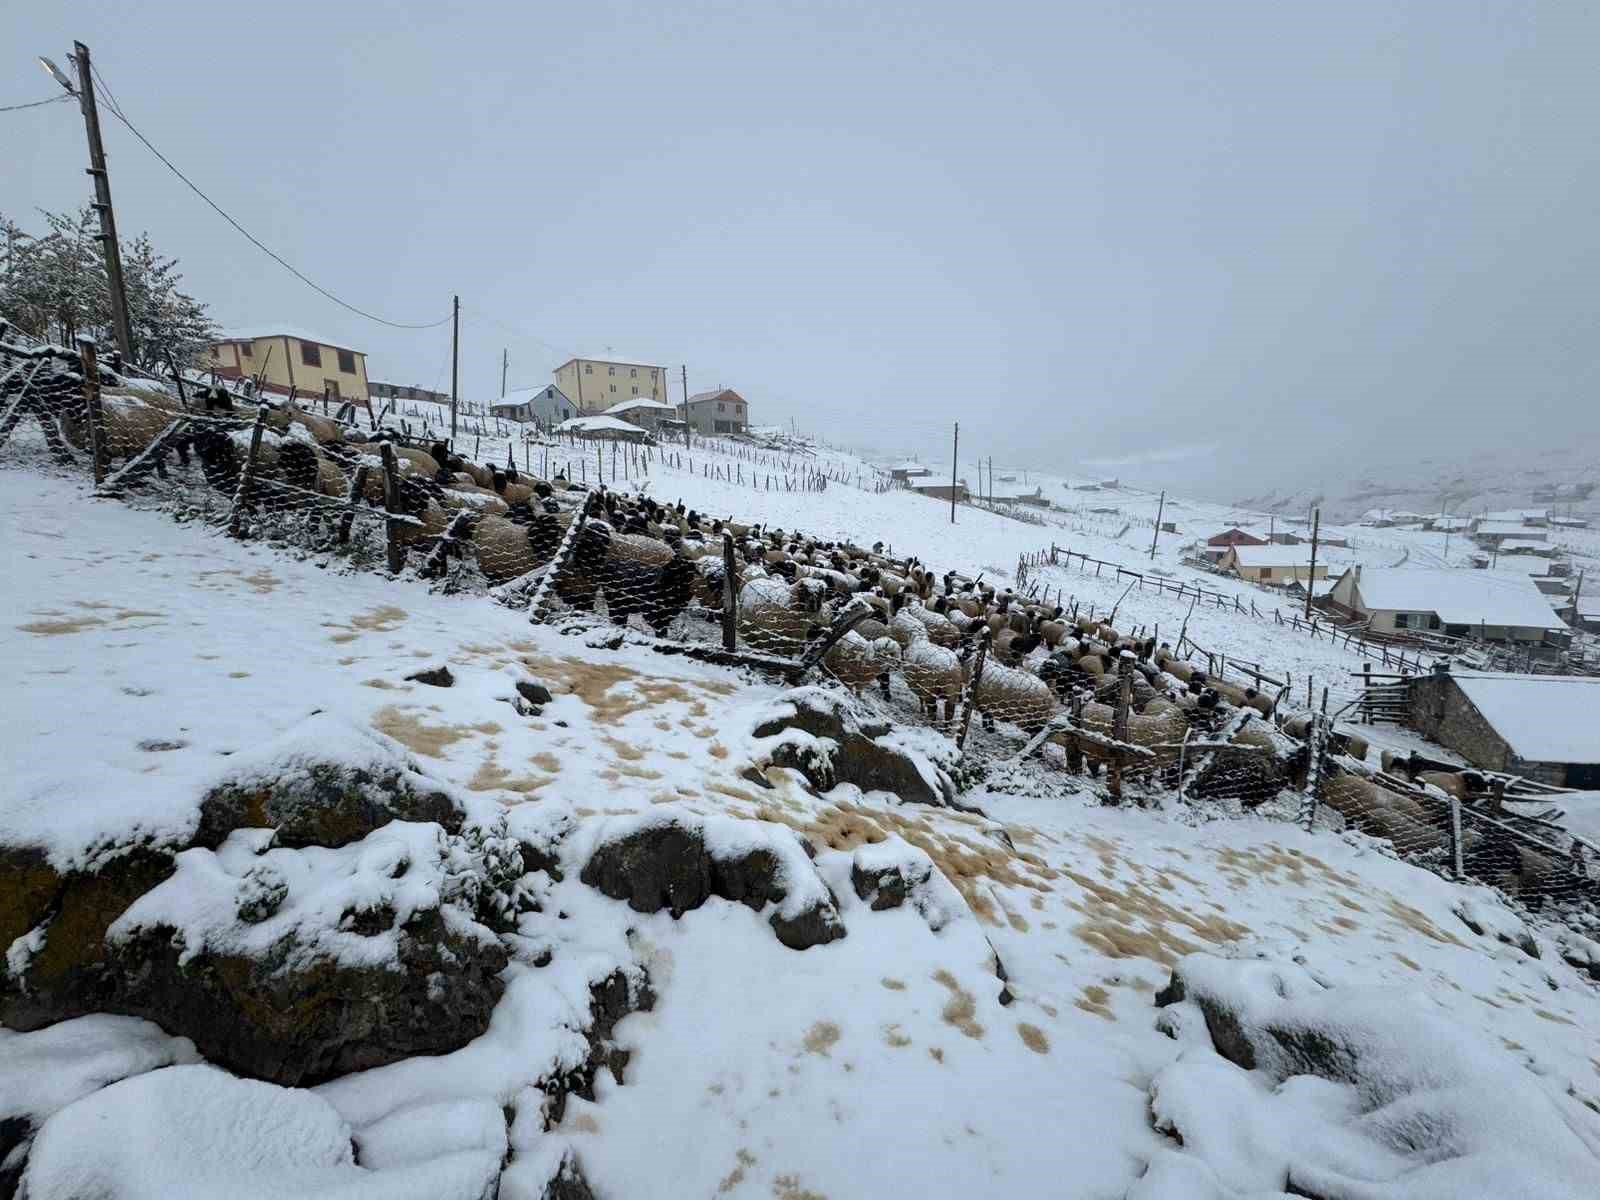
(828, 739)
(677, 863)
(322, 804)
(278, 965)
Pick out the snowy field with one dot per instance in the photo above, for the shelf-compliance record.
(156, 658)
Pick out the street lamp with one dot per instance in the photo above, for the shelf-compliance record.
(55, 73)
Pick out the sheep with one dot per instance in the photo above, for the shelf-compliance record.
(302, 465)
(933, 673)
(320, 428)
(638, 548)
(855, 660)
(419, 459)
(1383, 813)
(777, 617)
(657, 592)
(1011, 645)
(130, 425)
(1012, 695)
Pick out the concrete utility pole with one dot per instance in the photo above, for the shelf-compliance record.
(102, 203)
(683, 370)
(1311, 583)
(455, 358)
(1160, 508)
(955, 450)
(505, 362)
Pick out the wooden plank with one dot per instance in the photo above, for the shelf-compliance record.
(147, 458)
(971, 689)
(241, 494)
(391, 503)
(357, 488)
(434, 564)
(91, 400)
(730, 594)
(842, 624)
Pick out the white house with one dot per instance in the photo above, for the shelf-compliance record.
(1497, 606)
(1271, 564)
(547, 404)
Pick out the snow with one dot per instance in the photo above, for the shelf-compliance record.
(1355, 1085)
(596, 425)
(1544, 718)
(222, 1136)
(883, 1062)
(642, 402)
(1459, 597)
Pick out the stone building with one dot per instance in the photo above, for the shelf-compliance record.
(1539, 726)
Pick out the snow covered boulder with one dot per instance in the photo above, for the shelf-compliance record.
(198, 1131)
(825, 736)
(326, 782)
(666, 860)
(1344, 1092)
(885, 874)
(41, 1073)
(299, 965)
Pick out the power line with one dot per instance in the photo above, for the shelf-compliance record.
(117, 112)
(35, 104)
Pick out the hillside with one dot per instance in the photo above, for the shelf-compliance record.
(623, 950)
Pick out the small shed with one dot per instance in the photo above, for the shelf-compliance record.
(647, 413)
(1540, 726)
(547, 405)
(942, 491)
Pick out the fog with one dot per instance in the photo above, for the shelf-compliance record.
(1196, 245)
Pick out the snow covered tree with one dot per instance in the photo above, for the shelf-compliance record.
(55, 286)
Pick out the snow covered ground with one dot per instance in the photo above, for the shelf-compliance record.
(151, 659)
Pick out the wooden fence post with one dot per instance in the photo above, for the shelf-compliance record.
(1119, 724)
(1317, 748)
(971, 689)
(391, 504)
(730, 594)
(91, 400)
(241, 494)
(346, 518)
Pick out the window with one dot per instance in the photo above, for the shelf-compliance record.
(633, 372)
(613, 387)
(588, 368)
(311, 354)
(1266, 572)
(611, 370)
(721, 407)
(636, 389)
(1402, 620)
(347, 362)
(247, 349)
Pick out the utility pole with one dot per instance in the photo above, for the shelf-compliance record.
(505, 362)
(1160, 508)
(455, 358)
(683, 369)
(102, 203)
(1577, 594)
(955, 449)
(1311, 583)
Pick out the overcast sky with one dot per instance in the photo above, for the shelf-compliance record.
(1190, 240)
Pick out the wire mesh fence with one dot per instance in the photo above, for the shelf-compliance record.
(1015, 680)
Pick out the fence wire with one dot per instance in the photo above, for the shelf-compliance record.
(1010, 678)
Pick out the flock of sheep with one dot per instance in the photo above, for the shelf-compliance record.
(642, 558)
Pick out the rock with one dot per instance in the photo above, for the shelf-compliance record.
(664, 862)
(887, 885)
(661, 867)
(434, 677)
(534, 692)
(829, 740)
(327, 804)
(568, 1182)
(298, 1017)
(67, 973)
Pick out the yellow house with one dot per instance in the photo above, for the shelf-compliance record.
(595, 384)
(289, 357)
(1271, 564)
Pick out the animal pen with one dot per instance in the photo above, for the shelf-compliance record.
(1027, 687)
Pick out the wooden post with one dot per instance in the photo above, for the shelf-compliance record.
(346, 518)
(1366, 693)
(391, 504)
(730, 594)
(1119, 724)
(241, 494)
(1311, 580)
(439, 556)
(971, 689)
(1317, 748)
(91, 400)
